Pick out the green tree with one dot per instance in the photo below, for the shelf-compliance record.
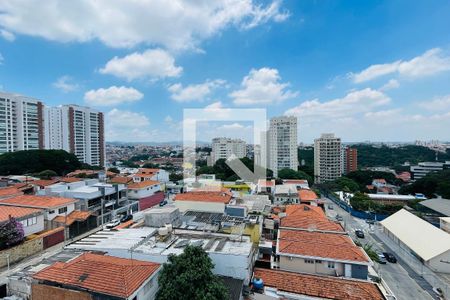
(347, 185)
(11, 233)
(174, 177)
(360, 201)
(114, 170)
(150, 166)
(292, 174)
(35, 161)
(46, 174)
(430, 185)
(189, 276)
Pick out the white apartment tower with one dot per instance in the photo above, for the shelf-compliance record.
(327, 158)
(21, 123)
(282, 144)
(223, 148)
(76, 129)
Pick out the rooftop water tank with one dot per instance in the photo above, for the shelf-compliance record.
(258, 283)
(163, 231)
(169, 227)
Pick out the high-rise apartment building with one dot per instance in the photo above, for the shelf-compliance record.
(223, 148)
(282, 144)
(21, 123)
(76, 129)
(350, 160)
(327, 158)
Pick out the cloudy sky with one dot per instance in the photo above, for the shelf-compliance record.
(366, 70)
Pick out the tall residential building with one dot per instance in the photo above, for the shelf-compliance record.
(223, 148)
(21, 123)
(76, 129)
(350, 160)
(327, 158)
(282, 144)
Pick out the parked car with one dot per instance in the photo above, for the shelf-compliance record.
(162, 203)
(381, 259)
(390, 257)
(359, 233)
(113, 223)
(126, 218)
(330, 207)
(339, 218)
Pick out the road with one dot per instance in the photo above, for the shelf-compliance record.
(402, 280)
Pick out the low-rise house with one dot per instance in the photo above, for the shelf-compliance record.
(279, 284)
(95, 276)
(32, 219)
(311, 218)
(285, 194)
(265, 186)
(379, 183)
(428, 243)
(144, 174)
(208, 201)
(320, 252)
(147, 193)
(52, 206)
(307, 196)
(299, 183)
(10, 191)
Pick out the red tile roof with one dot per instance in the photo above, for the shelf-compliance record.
(103, 274)
(308, 217)
(75, 215)
(220, 197)
(142, 184)
(320, 244)
(16, 212)
(44, 182)
(70, 179)
(307, 195)
(323, 287)
(37, 201)
(10, 191)
(121, 179)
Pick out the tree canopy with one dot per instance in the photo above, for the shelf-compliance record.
(35, 161)
(11, 233)
(365, 177)
(292, 174)
(433, 183)
(224, 172)
(189, 276)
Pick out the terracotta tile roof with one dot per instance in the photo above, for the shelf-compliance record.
(10, 191)
(308, 217)
(266, 182)
(16, 212)
(37, 201)
(320, 244)
(44, 182)
(102, 274)
(148, 170)
(75, 215)
(219, 197)
(121, 180)
(307, 195)
(142, 184)
(70, 179)
(323, 287)
(125, 224)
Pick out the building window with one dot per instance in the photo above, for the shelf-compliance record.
(330, 265)
(318, 261)
(51, 212)
(62, 210)
(309, 261)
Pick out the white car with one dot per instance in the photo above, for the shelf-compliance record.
(112, 224)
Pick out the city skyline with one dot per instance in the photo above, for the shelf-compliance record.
(353, 69)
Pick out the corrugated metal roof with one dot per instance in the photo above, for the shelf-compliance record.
(426, 240)
(439, 205)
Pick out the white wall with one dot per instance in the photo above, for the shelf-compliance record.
(440, 263)
(31, 229)
(51, 216)
(144, 192)
(200, 206)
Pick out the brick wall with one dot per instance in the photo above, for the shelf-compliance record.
(46, 292)
(21, 251)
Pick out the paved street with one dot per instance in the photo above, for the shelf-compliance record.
(402, 280)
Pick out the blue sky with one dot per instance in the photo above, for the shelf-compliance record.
(366, 70)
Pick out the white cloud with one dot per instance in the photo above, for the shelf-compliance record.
(390, 85)
(173, 24)
(431, 62)
(193, 92)
(261, 87)
(65, 84)
(123, 125)
(151, 64)
(437, 104)
(354, 103)
(112, 96)
(233, 126)
(7, 35)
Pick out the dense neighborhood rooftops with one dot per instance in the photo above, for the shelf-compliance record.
(10, 192)
(426, 240)
(121, 179)
(103, 274)
(316, 244)
(143, 184)
(74, 216)
(37, 201)
(17, 212)
(323, 287)
(439, 205)
(309, 218)
(44, 182)
(285, 189)
(205, 196)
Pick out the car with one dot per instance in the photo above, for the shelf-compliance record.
(381, 259)
(330, 207)
(359, 233)
(371, 222)
(339, 218)
(113, 223)
(162, 203)
(126, 218)
(390, 257)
